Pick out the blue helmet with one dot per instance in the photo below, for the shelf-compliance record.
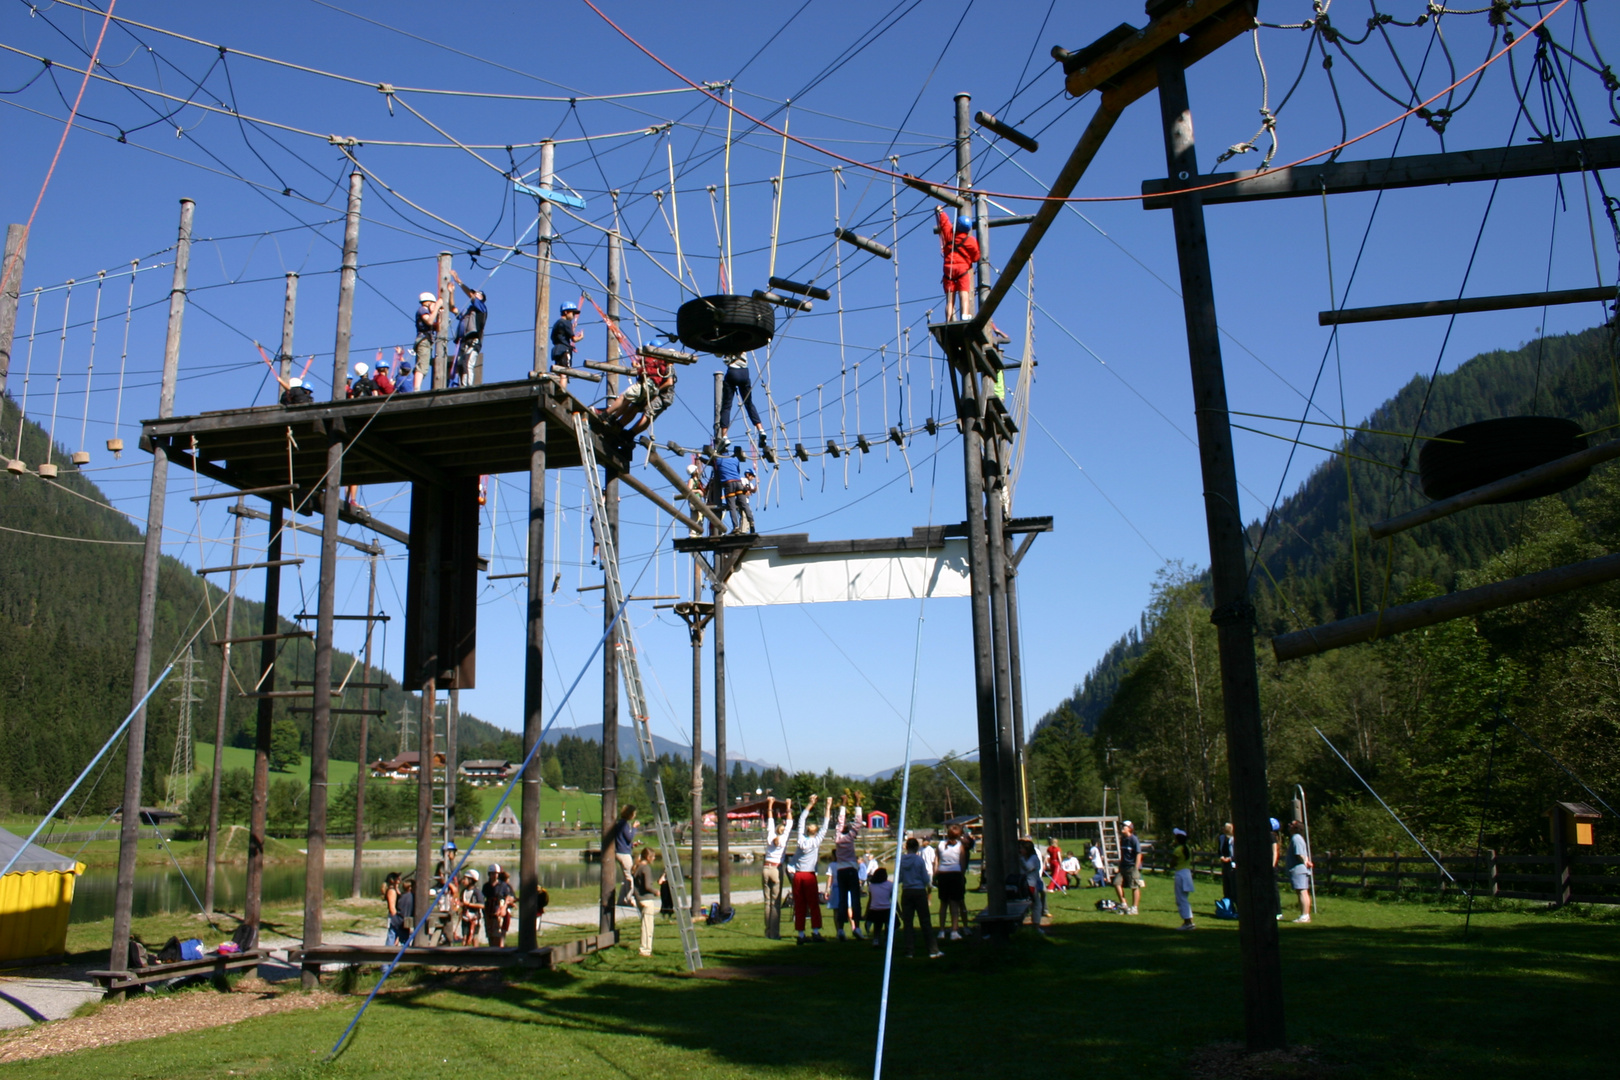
(964, 224)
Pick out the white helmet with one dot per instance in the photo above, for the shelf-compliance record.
(472, 873)
(361, 369)
(428, 297)
(294, 382)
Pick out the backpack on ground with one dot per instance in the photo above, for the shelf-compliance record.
(1225, 909)
(1107, 905)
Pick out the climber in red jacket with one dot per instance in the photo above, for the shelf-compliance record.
(961, 251)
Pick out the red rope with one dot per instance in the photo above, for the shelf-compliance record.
(1529, 32)
(5, 276)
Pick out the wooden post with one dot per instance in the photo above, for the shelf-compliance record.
(1233, 615)
(1015, 665)
(722, 778)
(441, 339)
(431, 537)
(694, 626)
(146, 612)
(355, 886)
(451, 712)
(320, 727)
(542, 281)
(1007, 764)
(533, 658)
(12, 270)
(606, 920)
(212, 856)
(289, 306)
(1560, 887)
(258, 814)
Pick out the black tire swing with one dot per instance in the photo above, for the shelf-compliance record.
(725, 325)
(1477, 454)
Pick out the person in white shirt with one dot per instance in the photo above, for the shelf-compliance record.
(776, 841)
(1100, 864)
(806, 857)
(879, 902)
(950, 876)
(930, 857)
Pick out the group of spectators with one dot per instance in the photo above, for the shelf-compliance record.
(462, 909)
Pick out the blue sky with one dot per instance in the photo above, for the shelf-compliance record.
(826, 685)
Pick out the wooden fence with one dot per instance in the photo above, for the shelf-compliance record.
(1582, 879)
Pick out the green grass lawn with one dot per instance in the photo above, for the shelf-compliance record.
(1377, 988)
(338, 772)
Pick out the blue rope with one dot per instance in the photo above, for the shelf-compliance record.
(1438, 864)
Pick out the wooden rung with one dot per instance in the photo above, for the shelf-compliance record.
(278, 693)
(303, 615)
(249, 566)
(503, 577)
(341, 712)
(1465, 305)
(276, 490)
(1438, 609)
(1508, 485)
(351, 686)
(264, 637)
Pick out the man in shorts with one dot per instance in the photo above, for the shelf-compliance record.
(1299, 869)
(651, 393)
(1129, 872)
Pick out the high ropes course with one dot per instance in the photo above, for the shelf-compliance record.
(750, 285)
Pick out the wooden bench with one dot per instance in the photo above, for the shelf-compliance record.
(116, 982)
(1003, 925)
(312, 959)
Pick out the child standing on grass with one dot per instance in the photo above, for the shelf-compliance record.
(879, 902)
(1181, 870)
(646, 881)
(390, 892)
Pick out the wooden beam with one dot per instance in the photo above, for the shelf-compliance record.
(354, 515)
(697, 501)
(658, 501)
(1498, 490)
(1438, 609)
(1133, 52)
(1417, 170)
(375, 448)
(1465, 305)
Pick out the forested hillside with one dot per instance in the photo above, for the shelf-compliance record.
(1444, 722)
(67, 641)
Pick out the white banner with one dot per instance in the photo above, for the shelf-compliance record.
(769, 577)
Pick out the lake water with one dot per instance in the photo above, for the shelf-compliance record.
(160, 890)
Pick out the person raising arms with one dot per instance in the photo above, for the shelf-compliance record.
(807, 854)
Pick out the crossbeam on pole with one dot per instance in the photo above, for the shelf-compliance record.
(1465, 305)
(277, 489)
(249, 566)
(265, 637)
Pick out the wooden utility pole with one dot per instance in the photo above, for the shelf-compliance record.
(610, 648)
(320, 728)
(1233, 614)
(430, 537)
(441, 339)
(451, 712)
(695, 622)
(289, 305)
(722, 784)
(146, 612)
(534, 644)
(542, 281)
(212, 855)
(364, 766)
(258, 813)
(12, 270)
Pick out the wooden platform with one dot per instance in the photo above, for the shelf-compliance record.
(546, 956)
(115, 982)
(922, 538)
(426, 437)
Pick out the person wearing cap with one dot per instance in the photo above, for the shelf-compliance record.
(498, 898)
(427, 330)
(472, 907)
(1128, 874)
(469, 336)
(651, 391)
(566, 335)
(404, 372)
(1181, 872)
(1300, 867)
(961, 250)
(297, 393)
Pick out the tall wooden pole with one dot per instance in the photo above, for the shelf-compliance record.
(694, 626)
(451, 714)
(12, 269)
(1001, 650)
(146, 612)
(1228, 564)
(431, 539)
(289, 306)
(610, 649)
(212, 855)
(441, 340)
(364, 766)
(259, 812)
(1016, 666)
(722, 779)
(320, 728)
(534, 657)
(542, 281)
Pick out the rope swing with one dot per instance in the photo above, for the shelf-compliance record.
(47, 468)
(16, 465)
(81, 457)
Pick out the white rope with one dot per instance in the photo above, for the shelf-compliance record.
(90, 367)
(61, 354)
(28, 369)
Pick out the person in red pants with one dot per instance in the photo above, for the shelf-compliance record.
(961, 251)
(806, 886)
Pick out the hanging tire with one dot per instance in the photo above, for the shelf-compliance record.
(1496, 449)
(726, 325)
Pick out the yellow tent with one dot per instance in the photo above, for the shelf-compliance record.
(35, 898)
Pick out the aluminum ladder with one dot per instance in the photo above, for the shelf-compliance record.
(636, 694)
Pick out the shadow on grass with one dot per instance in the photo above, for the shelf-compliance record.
(1108, 992)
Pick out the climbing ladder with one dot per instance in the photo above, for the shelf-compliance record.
(636, 693)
